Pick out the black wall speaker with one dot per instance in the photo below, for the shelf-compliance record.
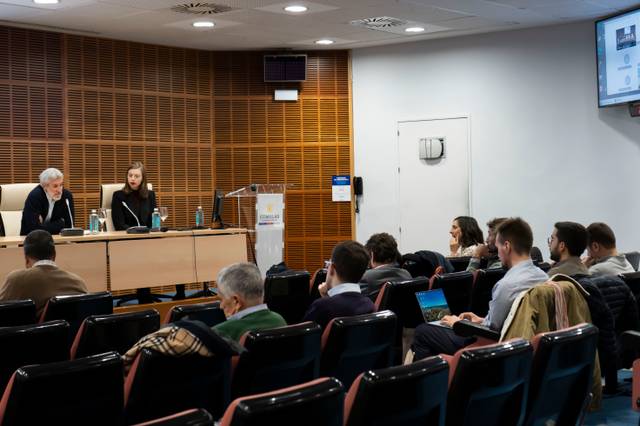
(285, 68)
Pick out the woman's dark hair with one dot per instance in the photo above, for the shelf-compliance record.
(142, 189)
(471, 234)
(383, 248)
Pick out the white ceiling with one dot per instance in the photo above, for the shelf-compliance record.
(263, 24)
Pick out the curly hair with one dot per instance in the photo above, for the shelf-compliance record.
(383, 248)
(471, 234)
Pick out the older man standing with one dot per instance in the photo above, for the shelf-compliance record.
(241, 290)
(48, 206)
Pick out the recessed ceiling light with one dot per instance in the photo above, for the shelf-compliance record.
(296, 8)
(46, 1)
(324, 41)
(203, 24)
(414, 30)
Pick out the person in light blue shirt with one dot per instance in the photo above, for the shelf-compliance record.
(514, 241)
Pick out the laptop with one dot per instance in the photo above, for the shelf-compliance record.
(433, 305)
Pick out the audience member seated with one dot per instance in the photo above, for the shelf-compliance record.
(139, 199)
(466, 235)
(487, 251)
(241, 291)
(384, 264)
(42, 279)
(340, 294)
(566, 244)
(46, 205)
(604, 258)
(513, 240)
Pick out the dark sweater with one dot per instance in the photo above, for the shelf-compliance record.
(36, 207)
(142, 207)
(346, 304)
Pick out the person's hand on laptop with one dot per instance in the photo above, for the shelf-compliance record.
(470, 316)
(449, 320)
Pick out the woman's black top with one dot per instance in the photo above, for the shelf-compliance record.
(141, 207)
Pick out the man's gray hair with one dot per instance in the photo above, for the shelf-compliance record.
(242, 279)
(50, 174)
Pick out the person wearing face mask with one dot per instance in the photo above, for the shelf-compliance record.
(138, 198)
(241, 291)
(46, 205)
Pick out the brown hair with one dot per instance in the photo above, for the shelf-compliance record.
(142, 190)
(471, 234)
(383, 248)
(602, 234)
(350, 259)
(495, 222)
(518, 233)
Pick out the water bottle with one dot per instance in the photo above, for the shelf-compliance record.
(199, 217)
(155, 220)
(94, 222)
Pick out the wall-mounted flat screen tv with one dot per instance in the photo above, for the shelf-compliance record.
(618, 57)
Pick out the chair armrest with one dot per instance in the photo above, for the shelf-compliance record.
(467, 328)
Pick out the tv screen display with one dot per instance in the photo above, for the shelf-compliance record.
(618, 56)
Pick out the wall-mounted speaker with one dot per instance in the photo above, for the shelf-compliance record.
(285, 68)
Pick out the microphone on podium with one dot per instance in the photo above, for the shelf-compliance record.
(135, 229)
(73, 231)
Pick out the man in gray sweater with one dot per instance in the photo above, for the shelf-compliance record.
(604, 258)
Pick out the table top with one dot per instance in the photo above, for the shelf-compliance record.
(122, 235)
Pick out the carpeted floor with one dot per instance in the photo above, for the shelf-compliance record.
(616, 410)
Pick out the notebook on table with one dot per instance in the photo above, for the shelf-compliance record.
(433, 305)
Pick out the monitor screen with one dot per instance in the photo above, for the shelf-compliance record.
(618, 58)
(216, 214)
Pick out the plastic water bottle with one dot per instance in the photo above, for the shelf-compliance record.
(94, 222)
(155, 220)
(199, 217)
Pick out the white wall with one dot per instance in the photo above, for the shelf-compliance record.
(540, 147)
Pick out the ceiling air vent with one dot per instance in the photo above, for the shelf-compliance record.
(201, 8)
(379, 23)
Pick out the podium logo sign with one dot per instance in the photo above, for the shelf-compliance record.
(270, 210)
(341, 188)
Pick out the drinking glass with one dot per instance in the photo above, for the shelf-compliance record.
(164, 213)
(102, 218)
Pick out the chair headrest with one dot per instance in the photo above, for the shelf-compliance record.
(13, 195)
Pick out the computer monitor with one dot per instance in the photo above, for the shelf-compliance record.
(216, 214)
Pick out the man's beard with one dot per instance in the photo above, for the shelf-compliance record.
(554, 256)
(56, 197)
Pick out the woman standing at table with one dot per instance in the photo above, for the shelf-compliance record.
(134, 203)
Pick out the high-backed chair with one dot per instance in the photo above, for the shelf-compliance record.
(318, 277)
(113, 332)
(87, 391)
(75, 308)
(483, 283)
(407, 395)
(277, 358)
(193, 417)
(634, 258)
(17, 312)
(287, 293)
(400, 298)
(159, 385)
(351, 345)
(457, 288)
(561, 375)
(632, 279)
(489, 384)
(316, 403)
(209, 313)
(459, 263)
(106, 196)
(12, 198)
(32, 344)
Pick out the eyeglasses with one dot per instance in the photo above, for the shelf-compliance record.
(550, 239)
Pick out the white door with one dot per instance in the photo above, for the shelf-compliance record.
(432, 192)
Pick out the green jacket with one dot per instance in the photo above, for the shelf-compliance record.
(260, 320)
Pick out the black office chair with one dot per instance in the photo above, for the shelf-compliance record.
(562, 375)
(17, 312)
(459, 263)
(113, 332)
(287, 293)
(277, 358)
(634, 258)
(489, 384)
(209, 313)
(351, 345)
(32, 344)
(160, 385)
(86, 391)
(316, 403)
(482, 289)
(193, 417)
(317, 278)
(457, 288)
(75, 308)
(407, 395)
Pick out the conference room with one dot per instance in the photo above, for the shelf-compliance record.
(271, 132)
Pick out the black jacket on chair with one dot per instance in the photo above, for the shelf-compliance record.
(142, 207)
(36, 207)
